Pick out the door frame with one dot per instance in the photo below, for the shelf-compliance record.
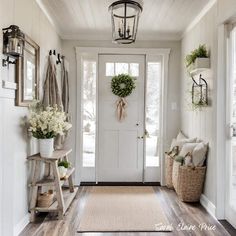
(221, 99)
(229, 214)
(94, 52)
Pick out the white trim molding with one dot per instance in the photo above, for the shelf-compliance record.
(131, 51)
(220, 98)
(18, 228)
(94, 52)
(49, 17)
(208, 205)
(86, 35)
(203, 12)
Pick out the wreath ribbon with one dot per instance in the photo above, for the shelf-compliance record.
(121, 104)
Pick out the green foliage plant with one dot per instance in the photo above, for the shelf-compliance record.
(200, 52)
(122, 85)
(66, 164)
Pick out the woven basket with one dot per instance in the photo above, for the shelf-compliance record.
(175, 174)
(169, 159)
(190, 183)
(168, 170)
(45, 199)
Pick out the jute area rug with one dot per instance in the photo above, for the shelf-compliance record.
(122, 209)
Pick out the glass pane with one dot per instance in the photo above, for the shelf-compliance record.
(29, 76)
(89, 113)
(134, 69)
(110, 69)
(232, 190)
(233, 175)
(122, 68)
(152, 113)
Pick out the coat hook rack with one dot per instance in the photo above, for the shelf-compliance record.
(58, 58)
(58, 55)
(52, 52)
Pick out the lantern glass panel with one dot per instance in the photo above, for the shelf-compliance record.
(124, 22)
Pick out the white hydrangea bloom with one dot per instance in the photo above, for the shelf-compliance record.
(48, 123)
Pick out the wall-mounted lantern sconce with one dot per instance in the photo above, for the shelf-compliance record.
(13, 43)
(200, 92)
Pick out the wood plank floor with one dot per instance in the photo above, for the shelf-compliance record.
(176, 211)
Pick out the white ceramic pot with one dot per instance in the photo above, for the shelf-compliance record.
(46, 147)
(62, 171)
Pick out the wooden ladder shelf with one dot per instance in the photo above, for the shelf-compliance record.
(63, 196)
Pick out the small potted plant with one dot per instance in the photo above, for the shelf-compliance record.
(198, 58)
(62, 168)
(45, 124)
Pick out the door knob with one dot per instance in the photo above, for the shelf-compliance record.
(140, 137)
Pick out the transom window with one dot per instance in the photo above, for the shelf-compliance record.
(117, 68)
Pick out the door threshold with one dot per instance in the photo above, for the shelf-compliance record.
(120, 184)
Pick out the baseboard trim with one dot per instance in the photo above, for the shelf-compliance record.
(21, 225)
(120, 184)
(208, 205)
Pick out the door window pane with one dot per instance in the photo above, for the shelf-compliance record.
(134, 69)
(110, 69)
(122, 68)
(89, 112)
(153, 113)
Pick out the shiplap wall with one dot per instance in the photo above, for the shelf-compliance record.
(14, 144)
(201, 123)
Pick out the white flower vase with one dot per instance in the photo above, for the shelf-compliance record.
(62, 171)
(46, 147)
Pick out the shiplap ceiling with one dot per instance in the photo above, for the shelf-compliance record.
(90, 19)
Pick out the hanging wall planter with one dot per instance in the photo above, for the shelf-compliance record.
(197, 62)
(198, 58)
(200, 65)
(199, 92)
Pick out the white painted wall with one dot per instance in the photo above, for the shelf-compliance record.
(201, 124)
(173, 126)
(226, 10)
(14, 145)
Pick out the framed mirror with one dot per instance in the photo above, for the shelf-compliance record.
(27, 74)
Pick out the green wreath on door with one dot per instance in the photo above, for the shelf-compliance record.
(122, 85)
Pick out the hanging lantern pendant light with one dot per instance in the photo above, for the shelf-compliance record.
(125, 17)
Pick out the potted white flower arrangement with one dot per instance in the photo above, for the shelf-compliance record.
(45, 124)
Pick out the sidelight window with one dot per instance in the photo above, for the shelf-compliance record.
(89, 112)
(153, 90)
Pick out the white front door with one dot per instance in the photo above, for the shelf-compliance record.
(230, 202)
(121, 155)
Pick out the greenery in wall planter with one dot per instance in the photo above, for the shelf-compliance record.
(198, 106)
(194, 106)
(200, 52)
(196, 62)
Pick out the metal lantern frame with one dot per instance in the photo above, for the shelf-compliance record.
(124, 33)
(202, 96)
(13, 44)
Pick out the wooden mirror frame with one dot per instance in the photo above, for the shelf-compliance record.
(20, 70)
